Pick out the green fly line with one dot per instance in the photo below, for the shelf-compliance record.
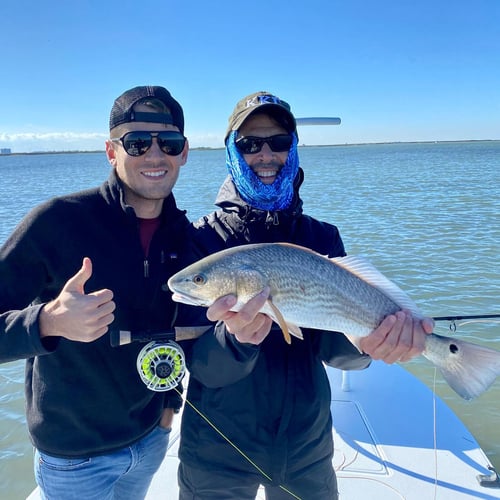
(241, 452)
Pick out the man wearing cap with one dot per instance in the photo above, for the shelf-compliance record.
(266, 405)
(78, 266)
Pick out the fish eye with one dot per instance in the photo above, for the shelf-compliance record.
(199, 279)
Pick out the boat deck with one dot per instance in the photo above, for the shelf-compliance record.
(383, 430)
(388, 445)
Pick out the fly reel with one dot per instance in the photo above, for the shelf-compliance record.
(161, 365)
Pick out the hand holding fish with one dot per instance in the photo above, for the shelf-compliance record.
(75, 315)
(400, 337)
(247, 325)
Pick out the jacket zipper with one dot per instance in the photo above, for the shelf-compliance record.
(272, 219)
(146, 263)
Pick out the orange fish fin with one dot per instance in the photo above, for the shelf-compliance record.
(281, 321)
(295, 331)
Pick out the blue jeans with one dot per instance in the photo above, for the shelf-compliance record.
(122, 475)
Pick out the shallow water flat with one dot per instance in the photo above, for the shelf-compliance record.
(425, 214)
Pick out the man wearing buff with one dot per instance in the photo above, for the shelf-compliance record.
(271, 400)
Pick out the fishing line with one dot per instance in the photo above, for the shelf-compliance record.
(241, 452)
(478, 321)
(161, 366)
(434, 430)
(488, 318)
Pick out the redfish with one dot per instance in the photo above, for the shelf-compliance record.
(343, 294)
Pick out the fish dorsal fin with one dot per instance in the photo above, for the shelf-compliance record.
(365, 270)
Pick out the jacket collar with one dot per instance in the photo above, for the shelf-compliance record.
(229, 200)
(114, 194)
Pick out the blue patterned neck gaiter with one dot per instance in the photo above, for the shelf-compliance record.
(275, 196)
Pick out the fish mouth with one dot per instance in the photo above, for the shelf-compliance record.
(188, 299)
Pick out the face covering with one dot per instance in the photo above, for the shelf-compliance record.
(275, 196)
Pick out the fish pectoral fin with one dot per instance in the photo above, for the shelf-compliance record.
(281, 321)
(295, 331)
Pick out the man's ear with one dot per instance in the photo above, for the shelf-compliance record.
(111, 153)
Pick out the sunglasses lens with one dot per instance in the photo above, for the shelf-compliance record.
(280, 143)
(251, 145)
(137, 143)
(171, 143)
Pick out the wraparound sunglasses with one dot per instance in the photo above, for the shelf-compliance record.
(249, 145)
(137, 143)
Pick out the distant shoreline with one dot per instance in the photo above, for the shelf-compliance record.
(300, 145)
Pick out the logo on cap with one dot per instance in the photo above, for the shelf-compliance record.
(262, 99)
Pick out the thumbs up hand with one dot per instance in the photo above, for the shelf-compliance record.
(75, 315)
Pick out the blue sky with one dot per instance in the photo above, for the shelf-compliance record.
(395, 70)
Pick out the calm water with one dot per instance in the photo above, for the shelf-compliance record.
(427, 215)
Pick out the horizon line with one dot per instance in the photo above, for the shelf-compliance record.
(209, 148)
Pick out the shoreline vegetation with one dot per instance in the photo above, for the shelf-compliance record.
(300, 145)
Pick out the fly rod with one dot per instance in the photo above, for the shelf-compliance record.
(458, 318)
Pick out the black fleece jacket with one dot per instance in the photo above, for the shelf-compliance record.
(87, 399)
(273, 400)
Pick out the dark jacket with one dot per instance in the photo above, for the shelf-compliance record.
(86, 399)
(272, 401)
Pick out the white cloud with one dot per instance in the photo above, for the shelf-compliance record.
(27, 142)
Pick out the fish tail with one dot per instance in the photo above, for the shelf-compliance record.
(469, 369)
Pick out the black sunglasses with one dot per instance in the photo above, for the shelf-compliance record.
(250, 145)
(137, 143)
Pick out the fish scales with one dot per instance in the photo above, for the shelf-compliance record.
(311, 292)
